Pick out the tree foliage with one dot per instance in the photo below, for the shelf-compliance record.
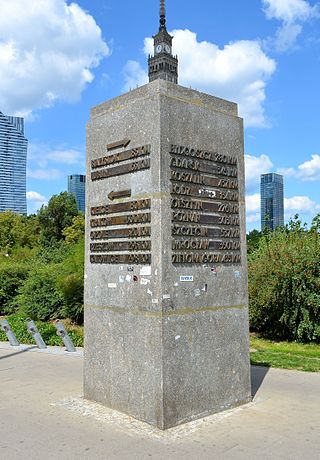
(56, 217)
(284, 283)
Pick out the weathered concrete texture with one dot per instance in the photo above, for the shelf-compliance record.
(159, 349)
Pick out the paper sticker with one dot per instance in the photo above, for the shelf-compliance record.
(144, 281)
(149, 292)
(197, 292)
(166, 296)
(145, 271)
(155, 301)
(130, 269)
(122, 279)
(237, 274)
(112, 285)
(186, 279)
(128, 278)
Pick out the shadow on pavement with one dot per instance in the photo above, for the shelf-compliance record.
(258, 374)
(18, 352)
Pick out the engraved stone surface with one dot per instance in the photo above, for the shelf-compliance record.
(166, 308)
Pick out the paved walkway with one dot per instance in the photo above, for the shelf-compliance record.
(42, 416)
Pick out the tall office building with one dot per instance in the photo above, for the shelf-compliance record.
(272, 201)
(13, 164)
(77, 186)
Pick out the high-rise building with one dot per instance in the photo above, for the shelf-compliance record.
(163, 65)
(77, 186)
(272, 201)
(13, 164)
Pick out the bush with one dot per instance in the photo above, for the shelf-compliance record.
(18, 323)
(284, 284)
(39, 297)
(12, 277)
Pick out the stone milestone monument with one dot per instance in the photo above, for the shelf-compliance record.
(166, 317)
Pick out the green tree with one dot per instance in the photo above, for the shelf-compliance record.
(17, 231)
(57, 216)
(75, 232)
(284, 284)
(39, 296)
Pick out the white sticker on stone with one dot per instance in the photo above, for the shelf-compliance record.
(145, 271)
(112, 285)
(186, 279)
(149, 292)
(197, 292)
(85, 276)
(122, 279)
(177, 337)
(155, 301)
(166, 296)
(237, 274)
(144, 281)
(128, 278)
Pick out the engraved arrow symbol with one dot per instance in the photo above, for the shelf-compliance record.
(121, 194)
(116, 145)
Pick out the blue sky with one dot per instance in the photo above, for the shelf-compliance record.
(59, 59)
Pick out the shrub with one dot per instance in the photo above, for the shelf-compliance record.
(39, 297)
(284, 284)
(12, 277)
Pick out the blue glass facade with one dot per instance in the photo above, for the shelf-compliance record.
(13, 164)
(77, 186)
(272, 201)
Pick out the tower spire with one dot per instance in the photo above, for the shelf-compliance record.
(163, 65)
(162, 15)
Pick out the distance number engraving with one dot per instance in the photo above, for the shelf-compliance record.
(129, 259)
(133, 232)
(130, 246)
(212, 258)
(121, 156)
(121, 207)
(121, 170)
(121, 220)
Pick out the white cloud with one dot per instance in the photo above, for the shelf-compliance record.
(44, 174)
(292, 13)
(238, 72)
(253, 202)
(252, 218)
(134, 75)
(289, 11)
(48, 49)
(310, 170)
(300, 204)
(255, 166)
(44, 161)
(35, 201)
(35, 196)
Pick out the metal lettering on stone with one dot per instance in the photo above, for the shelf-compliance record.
(133, 217)
(205, 207)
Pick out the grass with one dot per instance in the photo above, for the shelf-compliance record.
(285, 355)
(46, 329)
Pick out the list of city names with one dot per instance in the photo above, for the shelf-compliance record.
(205, 207)
(121, 232)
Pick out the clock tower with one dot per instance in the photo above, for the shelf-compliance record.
(163, 65)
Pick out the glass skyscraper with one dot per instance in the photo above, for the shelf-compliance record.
(272, 201)
(77, 186)
(13, 164)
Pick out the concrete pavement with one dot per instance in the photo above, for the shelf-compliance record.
(42, 416)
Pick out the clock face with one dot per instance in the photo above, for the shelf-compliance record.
(167, 48)
(159, 49)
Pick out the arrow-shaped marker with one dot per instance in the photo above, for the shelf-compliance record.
(116, 145)
(121, 194)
